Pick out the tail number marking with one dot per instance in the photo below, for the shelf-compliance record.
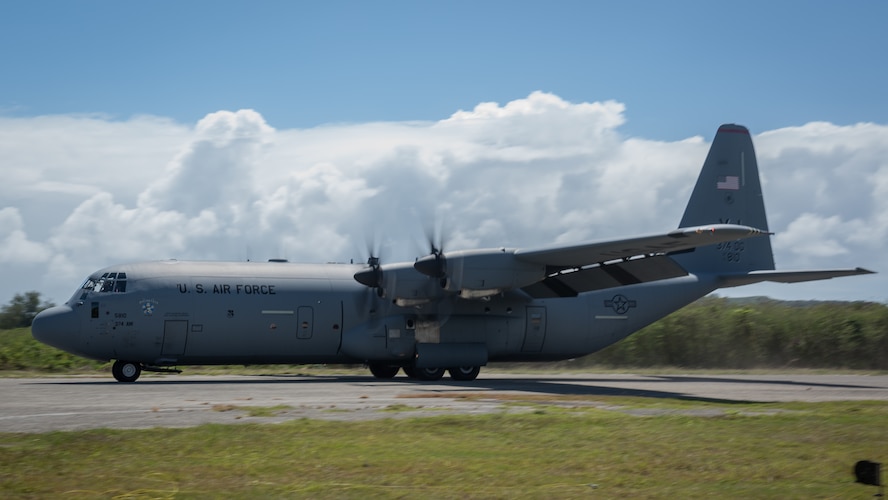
(732, 251)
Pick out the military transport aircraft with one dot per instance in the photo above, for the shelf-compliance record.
(447, 311)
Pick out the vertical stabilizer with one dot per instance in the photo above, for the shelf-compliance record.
(728, 191)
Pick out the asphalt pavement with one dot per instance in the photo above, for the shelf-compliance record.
(76, 403)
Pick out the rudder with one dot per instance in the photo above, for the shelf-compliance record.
(728, 191)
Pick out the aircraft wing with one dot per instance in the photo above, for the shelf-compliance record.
(551, 271)
(585, 267)
(584, 254)
(568, 270)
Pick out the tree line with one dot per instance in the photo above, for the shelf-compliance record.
(20, 311)
(710, 333)
(761, 333)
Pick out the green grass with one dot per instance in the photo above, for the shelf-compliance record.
(21, 354)
(804, 450)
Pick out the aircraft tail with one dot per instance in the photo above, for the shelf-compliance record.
(728, 191)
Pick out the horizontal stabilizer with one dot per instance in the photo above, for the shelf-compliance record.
(789, 276)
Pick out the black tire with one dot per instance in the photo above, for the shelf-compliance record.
(380, 370)
(126, 371)
(410, 371)
(464, 373)
(430, 374)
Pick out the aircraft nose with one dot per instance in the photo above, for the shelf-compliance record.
(58, 327)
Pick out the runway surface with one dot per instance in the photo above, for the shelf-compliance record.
(49, 404)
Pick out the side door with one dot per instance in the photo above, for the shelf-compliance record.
(535, 329)
(175, 337)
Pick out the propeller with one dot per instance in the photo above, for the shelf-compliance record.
(435, 263)
(372, 275)
(369, 302)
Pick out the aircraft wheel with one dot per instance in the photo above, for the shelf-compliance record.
(410, 371)
(429, 373)
(126, 371)
(383, 371)
(464, 372)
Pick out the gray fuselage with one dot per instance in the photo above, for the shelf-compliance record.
(185, 313)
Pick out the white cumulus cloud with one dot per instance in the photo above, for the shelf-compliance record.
(811, 235)
(84, 192)
(15, 247)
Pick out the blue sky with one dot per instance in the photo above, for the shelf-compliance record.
(317, 112)
(681, 67)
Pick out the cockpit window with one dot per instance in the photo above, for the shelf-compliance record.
(107, 282)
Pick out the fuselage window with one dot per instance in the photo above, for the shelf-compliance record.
(89, 284)
(87, 287)
(100, 283)
(108, 282)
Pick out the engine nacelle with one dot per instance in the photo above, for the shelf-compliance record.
(480, 273)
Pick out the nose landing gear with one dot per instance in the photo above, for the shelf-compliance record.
(129, 371)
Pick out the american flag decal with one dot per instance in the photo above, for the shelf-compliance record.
(730, 182)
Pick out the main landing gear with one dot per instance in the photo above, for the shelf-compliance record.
(464, 372)
(384, 371)
(460, 373)
(126, 371)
